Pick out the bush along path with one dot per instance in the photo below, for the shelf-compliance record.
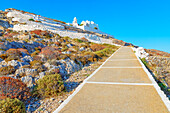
(121, 84)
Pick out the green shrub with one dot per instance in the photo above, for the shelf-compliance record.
(145, 62)
(50, 85)
(100, 53)
(12, 106)
(77, 40)
(110, 46)
(104, 52)
(108, 50)
(31, 19)
(66, 38)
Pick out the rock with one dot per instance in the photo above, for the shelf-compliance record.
(52, 99)
(1, 33)
(27, 71)
(24, 37)
(17, 64)
(13, 63)
(34, 105)
(42, 74)
(69, 45)
(47, 65)
(66, 52)
(27, 59)
(2, 52)
(28, 80)
(82, 49)
(60, 101)
(71, 66)
(1, 59)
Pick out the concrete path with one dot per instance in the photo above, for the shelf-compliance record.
(120, 85)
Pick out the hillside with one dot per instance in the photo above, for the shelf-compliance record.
(34, 52)
(43, 60)
(154, 52)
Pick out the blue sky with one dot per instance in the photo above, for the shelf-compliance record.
(142, 22)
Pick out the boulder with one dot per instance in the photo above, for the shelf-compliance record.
(82, 49)
(28, 80)
(41, 75)
(27, 59)
(2, 52)
(1, 59)
(71, 66)
(17, 64)
(69, 45)
(27, 71)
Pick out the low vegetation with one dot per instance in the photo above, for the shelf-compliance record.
(31, 19)
(13, 88)
(12, 106)
(50, 85)
(7, 70)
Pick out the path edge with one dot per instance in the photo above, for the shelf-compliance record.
(158, 89)
(81, 85)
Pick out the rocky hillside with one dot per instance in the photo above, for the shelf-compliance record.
(43, 58)
(154, 52)
(159, 63)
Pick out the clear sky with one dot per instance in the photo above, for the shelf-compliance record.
(144, 23)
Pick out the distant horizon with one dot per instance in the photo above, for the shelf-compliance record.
(143, 23)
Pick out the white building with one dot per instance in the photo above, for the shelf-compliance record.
(140, 52)
(86, 25)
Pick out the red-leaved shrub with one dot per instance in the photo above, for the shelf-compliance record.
(50, 52)
(97, 47)
(13, 88)
(84, 39)
(39, 32)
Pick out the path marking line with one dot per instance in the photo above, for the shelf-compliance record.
(121, 67)
(118, 83)
(121, 59)
(81, 85)
(158, 89)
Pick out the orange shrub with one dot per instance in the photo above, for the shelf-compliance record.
(39, 32)
(23, 50)
(13, 52)
(84, 39)
(50, 52)
(97, 47)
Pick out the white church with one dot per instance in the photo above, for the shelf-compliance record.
(86, 25)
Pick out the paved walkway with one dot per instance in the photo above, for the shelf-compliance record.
(120, 85)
